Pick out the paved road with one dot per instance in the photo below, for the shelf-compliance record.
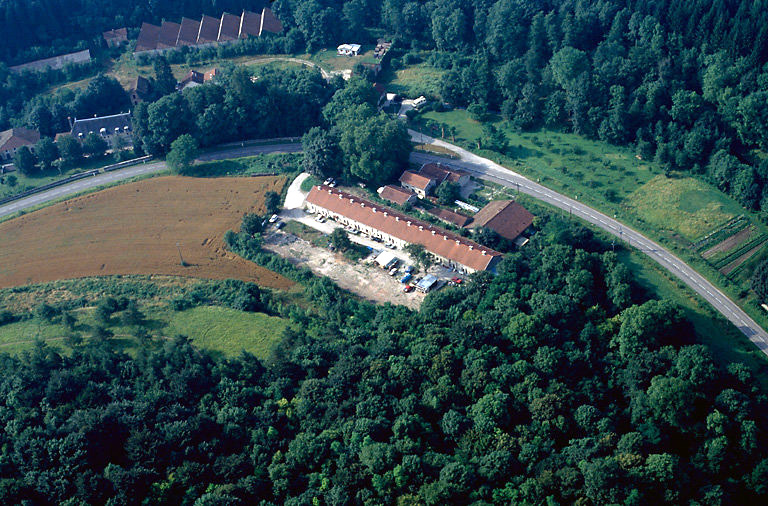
(487, 169)
(135, 170)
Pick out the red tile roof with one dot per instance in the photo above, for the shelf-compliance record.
(508, 218)
(18, 137)
(188, 32)
(169, 34)
(209, 30)
(396, 194)
(211, 74)
(147, 37)
(435, 240)
(415, 180)
(250, 24)
(269, 23)
(449, 216)
(229, 27)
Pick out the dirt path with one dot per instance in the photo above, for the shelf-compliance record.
(326, 75)
(729, 243)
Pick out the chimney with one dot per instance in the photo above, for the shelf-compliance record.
(421, 228)
(397, 218)
(458, 242)
(433, 232)
(330, 192)
(373, 209)
(471, 247)
(408, 223)
(484, 253)
(362, 204)
(445, 237)
(351, 200)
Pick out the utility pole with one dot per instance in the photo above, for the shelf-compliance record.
(181, 259)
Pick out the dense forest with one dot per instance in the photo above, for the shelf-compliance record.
(550, 383)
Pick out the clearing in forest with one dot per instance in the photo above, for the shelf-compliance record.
(135, 229)
(685, 206)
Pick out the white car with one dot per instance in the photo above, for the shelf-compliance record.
(273, 218)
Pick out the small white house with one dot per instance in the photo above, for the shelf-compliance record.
(348, 49)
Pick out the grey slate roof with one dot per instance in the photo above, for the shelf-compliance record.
(109, 123)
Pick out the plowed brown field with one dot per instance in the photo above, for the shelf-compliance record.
(134, 229)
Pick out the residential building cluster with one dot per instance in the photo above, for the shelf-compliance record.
(209, 30)
(401, 230)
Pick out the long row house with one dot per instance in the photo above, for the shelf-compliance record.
(207, 31)
(399, 229)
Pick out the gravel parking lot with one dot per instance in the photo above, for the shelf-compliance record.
(361, 278)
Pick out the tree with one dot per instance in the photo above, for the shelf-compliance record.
(759, 281)
(24, 161)
(132, 316)
(419, 254)
(340, 239)
(70, 150)
(47, 153)
(183, 152)
(94, 145)
(448, 192)
(164, 82)
(251, 224)
(272, 202)
(322, 156)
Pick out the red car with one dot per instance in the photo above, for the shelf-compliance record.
(408, 288)
(456, 280)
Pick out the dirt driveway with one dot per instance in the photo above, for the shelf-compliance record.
(362, 278)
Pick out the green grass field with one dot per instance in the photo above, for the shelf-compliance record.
(686, 206)
(262, 164)
(220, 329)
(414, 81)
(228, 331)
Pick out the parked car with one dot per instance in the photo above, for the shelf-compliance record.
(333, 184)
(280, 224)
(393, 271)
(409, 269)
(328, 181)
(273, 218)
(406, 278)
(320, 219)
(408, 288)
(456, 280)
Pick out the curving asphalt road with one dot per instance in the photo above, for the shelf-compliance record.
(487, 169)
(484, 169)
(136, 170)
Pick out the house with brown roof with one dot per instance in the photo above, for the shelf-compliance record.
(139, 90)
(115, 37)
(192, 79)
(396, 194)
(420, 185)
(397, 228)
(188, 32)
(250, 24)
(11, 140)
(269, 22)
(449, 216)
(229, 27)
(508, 218)
(209, 30)
(440, 172)
(148, 37)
